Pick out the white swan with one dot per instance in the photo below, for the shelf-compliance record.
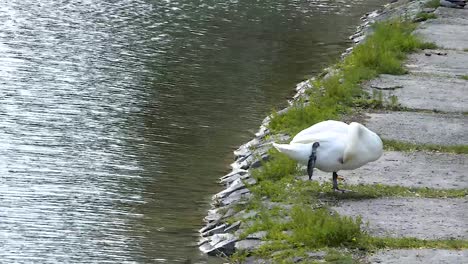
(331, 146)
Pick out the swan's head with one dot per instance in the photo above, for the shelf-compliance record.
(369, 140)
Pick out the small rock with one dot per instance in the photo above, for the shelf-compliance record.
(244, 215)
(428, 10)
(232, 174)
(257, 163)
(209, 226)
(216, 230)
(235, 226)
(248, 244)
(213, 215)
(257, 235)
(297, 259)
(235, 197)
(219, 243)
(234, 186)
(316, 255)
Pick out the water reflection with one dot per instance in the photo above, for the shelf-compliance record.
(117, 117)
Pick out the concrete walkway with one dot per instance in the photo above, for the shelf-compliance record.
(436, 97)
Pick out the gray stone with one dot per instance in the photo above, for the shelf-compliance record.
(244, 215)
(257, 235)
(411, 217)
(243, 174)
(213, 215)
(207, 227)
(233, 227)
(424, 92)
(233, 174)
(219, 244)
(235, 197)
(421, 128)
(248, 244)
(244, 150)
(230, 212)
(217, 230)
(234, 186)
(420, 256)
(316, 255)
(258, 162)
(416, 169)
(453, 64)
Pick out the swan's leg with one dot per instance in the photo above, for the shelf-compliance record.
(312, 159)
(335, 183)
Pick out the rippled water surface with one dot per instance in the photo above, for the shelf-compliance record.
(117, 117)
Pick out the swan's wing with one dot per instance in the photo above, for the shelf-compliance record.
(331, 126)
(328, 136)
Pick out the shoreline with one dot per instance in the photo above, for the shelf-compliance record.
(222, 235)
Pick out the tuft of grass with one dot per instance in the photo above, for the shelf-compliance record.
(464, 77)
(366, 191)
(424, 16)
(337, 257)
(321, 228)
(332, 96)
(410, 147)
(432, 4)
(278, 166)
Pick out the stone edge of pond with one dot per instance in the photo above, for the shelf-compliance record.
(219, 237)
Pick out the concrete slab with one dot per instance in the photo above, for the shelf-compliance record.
(450, 32)
(420, 256)
(421, 128)
(454, 63)
(416, 169)
(424, 92)
(451, 15)
(411, 217)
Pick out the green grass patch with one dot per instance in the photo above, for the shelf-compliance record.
(410, 242)
(333, 96)
(365, 191)
(320, 228)
(424, 16)
(278, 166)
(464, 77)
(432, 4)
(337, 257)
(411, 147)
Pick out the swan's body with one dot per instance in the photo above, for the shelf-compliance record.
(341, 146)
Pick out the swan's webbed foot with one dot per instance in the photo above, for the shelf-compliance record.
(312, 159)
(335, 184)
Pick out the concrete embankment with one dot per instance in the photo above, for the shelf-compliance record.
(432, 111)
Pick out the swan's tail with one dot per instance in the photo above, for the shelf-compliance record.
(279, 147)
(297, 152)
